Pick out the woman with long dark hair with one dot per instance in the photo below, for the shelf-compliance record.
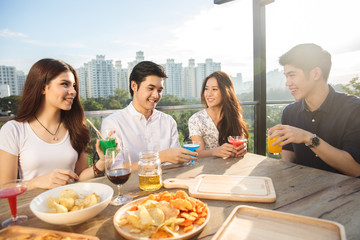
(46, 142)
(221, 118)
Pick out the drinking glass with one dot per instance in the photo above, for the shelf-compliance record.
(275, 150)
(237, 140)
(118, 171)
(192, 146)
(149, 169)
(109, 141)
(10, 190)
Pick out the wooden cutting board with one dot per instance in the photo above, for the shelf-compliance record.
(227, 187)
(19, 232)
(251, 223)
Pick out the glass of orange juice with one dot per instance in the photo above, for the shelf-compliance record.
(275, 150)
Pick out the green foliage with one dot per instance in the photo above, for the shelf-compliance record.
(245, 96)
(10, 104)
(171, 100)
(273, 115)
(93, 137)
(353, 87)
(278, 94)
(91, 104)
(181, 118)
(118, 100)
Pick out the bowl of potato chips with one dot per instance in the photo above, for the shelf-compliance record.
(71, 204)
(166, 215)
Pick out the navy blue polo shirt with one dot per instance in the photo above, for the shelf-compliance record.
(337, 122)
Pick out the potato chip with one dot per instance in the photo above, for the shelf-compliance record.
(67, 202)
(51, 202)
(164, 215)
(61, 209)
(76, 208)
(51, 236)
(70, 201)
(144, 216)
(157, 215)
(134, 220)
(169, 212)
(68, 193)
(91, 200)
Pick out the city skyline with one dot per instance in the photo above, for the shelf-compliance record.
(76, 31)
(100, 77)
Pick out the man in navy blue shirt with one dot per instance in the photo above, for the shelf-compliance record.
(322, 128)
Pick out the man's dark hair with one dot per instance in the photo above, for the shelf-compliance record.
(144, 69)
(306, 57)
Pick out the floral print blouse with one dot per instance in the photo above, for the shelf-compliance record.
(201, 124)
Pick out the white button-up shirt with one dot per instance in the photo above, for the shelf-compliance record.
(138, 134)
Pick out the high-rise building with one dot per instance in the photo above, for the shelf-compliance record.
(275, 79)
(189, 78)
(84, 91)
(139, 58)
(20, 81)
(237, 81)
(15, 79)
(203, 70)
(121, 76)
(98, 78)
(8, 76)
(173, 84)
(4, 90)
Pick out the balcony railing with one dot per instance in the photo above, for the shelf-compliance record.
(249, 118)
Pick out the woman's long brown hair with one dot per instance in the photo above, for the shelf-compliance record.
(232, 122)
(41, 74)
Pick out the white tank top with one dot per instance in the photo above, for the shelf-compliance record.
(36, 157)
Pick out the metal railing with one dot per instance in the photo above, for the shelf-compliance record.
(102, 113)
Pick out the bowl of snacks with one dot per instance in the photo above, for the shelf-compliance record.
(165, 215)
(71, 204)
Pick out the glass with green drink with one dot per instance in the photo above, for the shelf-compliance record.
(108, 141)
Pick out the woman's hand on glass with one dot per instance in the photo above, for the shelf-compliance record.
(241, 150)
(225, 151)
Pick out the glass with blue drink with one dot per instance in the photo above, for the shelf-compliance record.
(192, 146)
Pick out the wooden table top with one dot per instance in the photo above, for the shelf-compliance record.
(299, 190)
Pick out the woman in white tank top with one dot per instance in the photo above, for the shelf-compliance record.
(47, 140)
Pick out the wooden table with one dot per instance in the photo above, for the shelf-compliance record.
(300, 190)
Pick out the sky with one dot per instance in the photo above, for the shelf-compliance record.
(77, 30)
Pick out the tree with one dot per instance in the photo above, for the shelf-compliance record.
(119, 100)
(10, 104)
(91, 104)
(353, 87)
(171, 100)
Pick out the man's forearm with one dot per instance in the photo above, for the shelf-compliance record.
(337, 158)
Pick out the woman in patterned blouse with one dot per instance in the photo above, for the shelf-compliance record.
(222, 117)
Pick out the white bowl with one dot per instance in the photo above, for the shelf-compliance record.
(39, 204)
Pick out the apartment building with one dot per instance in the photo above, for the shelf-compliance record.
(13, 78)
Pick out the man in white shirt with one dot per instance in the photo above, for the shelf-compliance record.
(139, 126)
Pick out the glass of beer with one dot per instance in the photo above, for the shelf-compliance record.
(275, 150)
(150, 174)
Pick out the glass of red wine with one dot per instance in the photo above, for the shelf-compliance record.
(118, 171)
(10, 190)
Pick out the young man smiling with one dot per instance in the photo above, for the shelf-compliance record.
(139, 126)
(321, 129)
